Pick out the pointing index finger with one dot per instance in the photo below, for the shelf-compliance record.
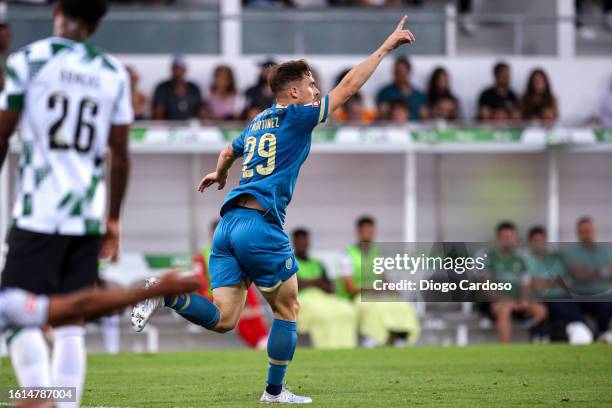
(400, 25)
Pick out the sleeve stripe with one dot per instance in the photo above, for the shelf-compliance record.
(323, 110)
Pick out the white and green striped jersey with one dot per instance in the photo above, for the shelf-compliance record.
(69, 95)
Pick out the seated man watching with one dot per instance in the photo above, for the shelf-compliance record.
(330, 321)
(504, 265)
(389, 322)
(589, 277)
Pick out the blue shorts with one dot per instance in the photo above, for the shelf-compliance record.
(246, 246)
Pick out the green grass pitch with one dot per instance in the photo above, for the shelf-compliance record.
(487, 376)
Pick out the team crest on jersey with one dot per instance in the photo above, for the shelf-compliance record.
(289, 263)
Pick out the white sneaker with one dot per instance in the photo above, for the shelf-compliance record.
(285, 397)
(142, 311)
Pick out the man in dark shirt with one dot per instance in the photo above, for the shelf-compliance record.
(177, 98)
(260, 95)
(402, 89)
(499, 97)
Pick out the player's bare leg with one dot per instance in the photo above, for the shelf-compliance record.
(220, 316)
(282, 341)
(503, 319)
(230, 301)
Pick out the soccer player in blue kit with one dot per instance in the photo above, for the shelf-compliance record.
(249, 244)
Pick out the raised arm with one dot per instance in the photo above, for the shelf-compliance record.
(219, 176)
(356, 77)
(119, 171)
(92, 303)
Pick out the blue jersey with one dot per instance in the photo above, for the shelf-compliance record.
(273, 148)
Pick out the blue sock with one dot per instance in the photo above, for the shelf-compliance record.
(281, 346)
(195, 308)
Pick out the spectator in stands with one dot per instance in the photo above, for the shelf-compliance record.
(260, 95)
(401, 88)
(500, 117)
(606, 110)
(330, 321)
(441, 102)
(355, 110)
(140, 103)
(588, 32)
(251, 112)
(498, 98)
(588, 264)
(538, 102)
(399, 114)
(224, 101)
(380, 323)
(177, 98)
(544, 268)
(466, 23)
(504, 265)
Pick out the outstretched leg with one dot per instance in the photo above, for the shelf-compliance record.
(220, 316)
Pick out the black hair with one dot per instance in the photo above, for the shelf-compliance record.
(399, 103)
(585, 219)
(499, 66)
(535, 230)
(365, 220)
(341, 75)
(90, 11)
(300, 232)
(403, 60)
(287, 72)
(504, 225)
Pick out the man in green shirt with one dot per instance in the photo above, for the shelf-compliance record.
(545, 268)
(546, 282)
(589, 265)
(402, 90)
(504, 265)
(388, 322)
(330, 320)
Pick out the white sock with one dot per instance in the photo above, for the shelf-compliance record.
(69, 361)
(110, 333)
(30, 357)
